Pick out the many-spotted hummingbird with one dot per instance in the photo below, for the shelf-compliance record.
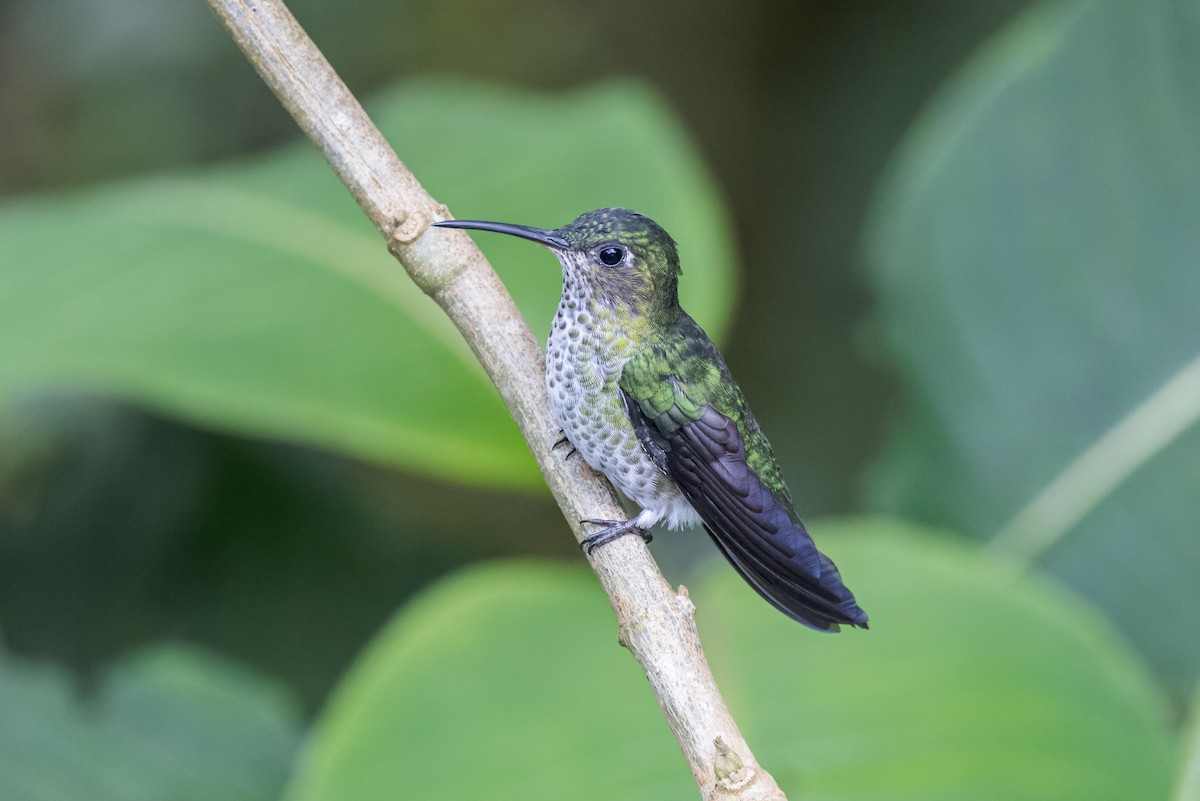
(646, 398)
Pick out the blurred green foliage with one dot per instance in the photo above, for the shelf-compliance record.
(1187, 783)
(1030, 252)
(971, 684)
(297, 324)
(1036, 256)
(169, 722)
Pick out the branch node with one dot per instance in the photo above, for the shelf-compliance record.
(684, 600)
(431, 278)
(411, 227)
(732, 774)
(623, 637)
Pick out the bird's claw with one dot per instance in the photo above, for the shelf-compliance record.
(563, 440)
(613, 530)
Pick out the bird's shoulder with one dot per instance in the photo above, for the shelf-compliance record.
(680, 379)
(677, 373)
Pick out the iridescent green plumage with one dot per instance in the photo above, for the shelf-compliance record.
(673, 381)
(646, 398)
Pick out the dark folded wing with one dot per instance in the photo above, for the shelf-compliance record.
(762, 538)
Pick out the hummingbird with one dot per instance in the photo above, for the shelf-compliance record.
(645, 397)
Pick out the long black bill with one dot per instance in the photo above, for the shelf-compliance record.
(539, 235)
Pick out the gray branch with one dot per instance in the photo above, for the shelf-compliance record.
(656, 623)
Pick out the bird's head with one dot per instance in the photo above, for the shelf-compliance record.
(627, 260)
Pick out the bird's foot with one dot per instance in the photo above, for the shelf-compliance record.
(613, 529)
(563, 440)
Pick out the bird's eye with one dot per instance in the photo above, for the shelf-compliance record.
(611, 256)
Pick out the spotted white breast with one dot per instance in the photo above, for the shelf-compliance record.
(584, 358)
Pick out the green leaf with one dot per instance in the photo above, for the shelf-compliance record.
(1187, 784)
(256, 297)
(971, 684)
(1035, 253)
(503, 682)
(167, 723)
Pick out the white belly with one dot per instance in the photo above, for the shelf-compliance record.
(588, 407)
